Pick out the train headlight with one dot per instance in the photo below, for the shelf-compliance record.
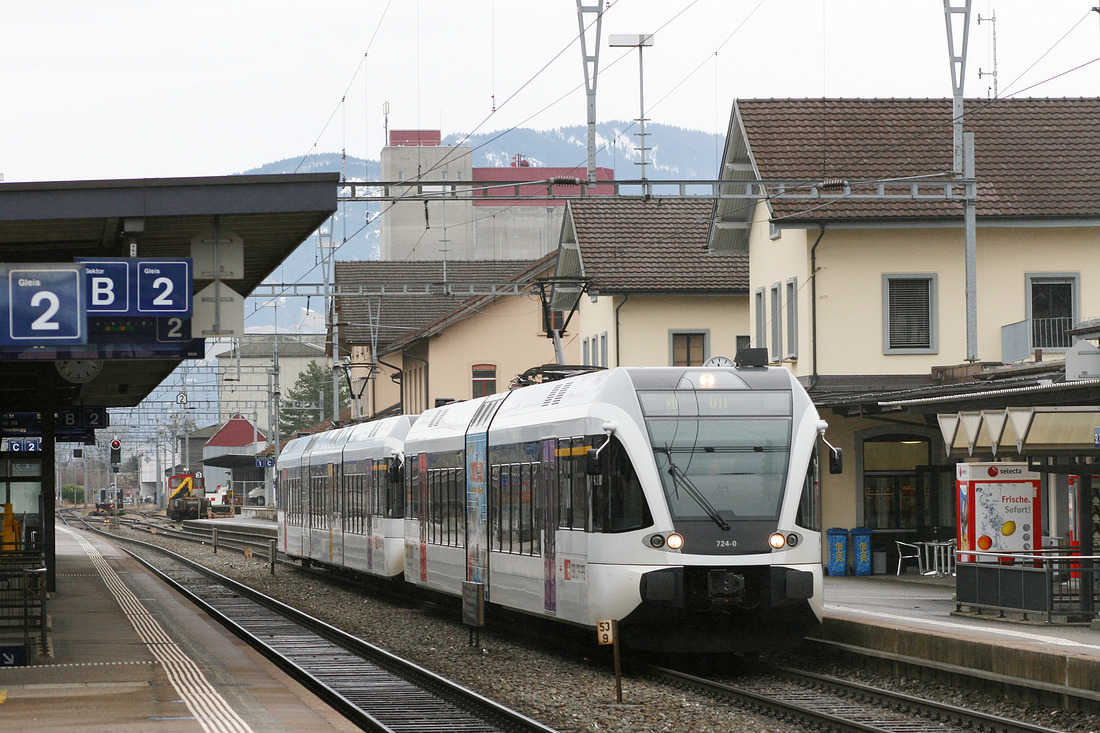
(674, 541)
(656, 540)
(778, 540)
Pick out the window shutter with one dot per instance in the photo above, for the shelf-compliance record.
(910, 314)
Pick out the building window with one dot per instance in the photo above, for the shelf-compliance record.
(689, 348)
(761, 319)
(584, 353)
(743, 342)
(553, 320)
(603, 350)
(792, 318)
(892, 488)
(909, 318)
(776, 316)
(485, 379)
(1051, 309)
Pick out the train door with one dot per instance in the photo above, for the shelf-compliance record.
(549, 524)
(337, 495)
(306, 484)
(477, 494)
(477, 525)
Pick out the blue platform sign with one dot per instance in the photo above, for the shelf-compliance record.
(109, 288)
(43, 304)
(149, 287)
(164, 287)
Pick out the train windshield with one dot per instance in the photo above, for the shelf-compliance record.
(722, 454)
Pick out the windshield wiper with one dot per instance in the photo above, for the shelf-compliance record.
(680, 479)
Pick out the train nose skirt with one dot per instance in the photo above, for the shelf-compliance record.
(725, 583)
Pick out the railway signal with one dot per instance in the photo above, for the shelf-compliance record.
(116, 451)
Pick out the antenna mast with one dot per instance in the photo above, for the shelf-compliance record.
(992, 19)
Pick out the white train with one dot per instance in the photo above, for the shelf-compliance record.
(682, 503)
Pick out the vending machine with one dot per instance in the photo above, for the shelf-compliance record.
(999, 509)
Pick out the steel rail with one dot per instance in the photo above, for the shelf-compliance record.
(371, 687)
(1081, 698)
(836, 704)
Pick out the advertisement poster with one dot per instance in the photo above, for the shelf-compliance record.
(999, 509)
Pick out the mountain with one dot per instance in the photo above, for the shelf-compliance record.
(675, 153)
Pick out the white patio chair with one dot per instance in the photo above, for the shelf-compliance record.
(909, 551)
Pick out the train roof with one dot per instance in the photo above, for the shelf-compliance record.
(329, 445)
(374, 439)
(573, 397)
(440, 423)
(296, 447)
(614, 385)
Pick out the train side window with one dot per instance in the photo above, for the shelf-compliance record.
(412, 489)
(618, 503)
(496, 529)
(572, 484)
(530, 510)
(565, 485)
(391, 498)
(456, 508)
(809, 506)
(508, 506)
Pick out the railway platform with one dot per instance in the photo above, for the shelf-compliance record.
(126, 653)
(896, 617)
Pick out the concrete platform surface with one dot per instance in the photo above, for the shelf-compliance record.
(126, 653)
(916, 616)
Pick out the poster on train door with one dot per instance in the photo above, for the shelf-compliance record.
(999, 509)
(477, 528)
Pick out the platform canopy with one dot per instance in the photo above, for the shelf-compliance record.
(59, 222)
(1064, 430)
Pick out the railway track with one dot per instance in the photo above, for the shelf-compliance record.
(837, 705)
(233, 537)
(830, 703)
(376, 690)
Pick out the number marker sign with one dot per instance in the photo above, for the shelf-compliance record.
(138, 287)
(43, 304)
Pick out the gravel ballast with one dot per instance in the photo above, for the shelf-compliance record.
(564, 689)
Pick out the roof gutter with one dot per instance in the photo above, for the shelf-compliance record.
(626, 297)
(813, 305)
(397, 378)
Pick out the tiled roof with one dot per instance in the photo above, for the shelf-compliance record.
(235, 433)
(657, 245)
(534, 270)
(398, 316)
(1034, 157)
(261, 346)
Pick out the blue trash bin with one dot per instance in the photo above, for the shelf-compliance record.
(838, 551)
(861, 550)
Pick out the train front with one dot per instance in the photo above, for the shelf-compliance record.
(734, 453)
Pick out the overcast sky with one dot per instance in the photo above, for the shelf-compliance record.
(147, 89)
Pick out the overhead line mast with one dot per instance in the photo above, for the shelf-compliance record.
(591, 72)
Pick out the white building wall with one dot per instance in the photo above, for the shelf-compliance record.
(850, 309)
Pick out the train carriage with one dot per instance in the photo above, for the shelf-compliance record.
(436, 496)
(344, 497)
(292, 483)
(326, 481)
(681, 502)
(374, 529)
